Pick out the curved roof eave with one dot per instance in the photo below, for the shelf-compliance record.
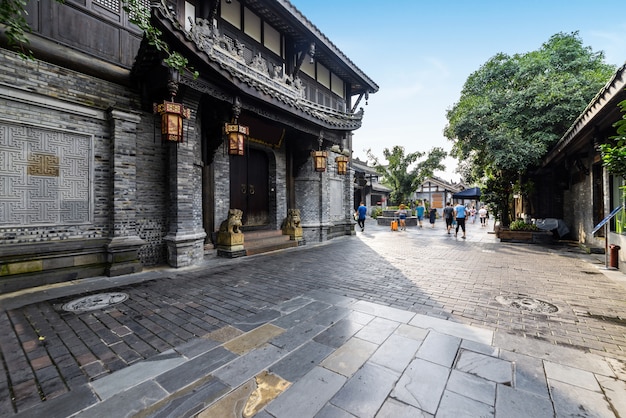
(321, 38)
(252, 81)
(611, 89)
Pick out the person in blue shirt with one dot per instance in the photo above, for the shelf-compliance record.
(420, 212)
(460, 213)
(361, 214)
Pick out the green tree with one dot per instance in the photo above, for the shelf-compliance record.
(513, 109)
(614, 154)
(614, 159)
(404, 173)
(14, 25)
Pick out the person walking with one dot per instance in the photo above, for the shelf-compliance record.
(432, 215)
(473, 214)
(361, 213)
(460, 212)
(402, 216)
(419, 211)
(448, 215)
(482, 214)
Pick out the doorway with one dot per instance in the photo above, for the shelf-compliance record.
(249, 190)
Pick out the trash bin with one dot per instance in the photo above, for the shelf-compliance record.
(614, 255)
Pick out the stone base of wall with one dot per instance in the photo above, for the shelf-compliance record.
(341, 229)
(185, 250)
(325, 232)
(35, 264)
(123, 256)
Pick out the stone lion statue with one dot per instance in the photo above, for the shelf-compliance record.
(232, 223)
(292, 220)
(291, 224)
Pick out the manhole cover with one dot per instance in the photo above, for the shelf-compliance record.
(93, 302)
(527, 304)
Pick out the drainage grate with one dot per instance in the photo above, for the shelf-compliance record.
(527, 303)
(93, 302)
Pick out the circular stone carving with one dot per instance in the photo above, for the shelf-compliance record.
(93, 302)
(527, 303)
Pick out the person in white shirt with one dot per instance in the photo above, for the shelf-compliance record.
(482, 214)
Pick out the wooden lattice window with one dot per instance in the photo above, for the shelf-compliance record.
(112, 5)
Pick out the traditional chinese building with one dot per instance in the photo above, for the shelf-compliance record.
(435, 192)
(367, 188)
(111, 161)
(572, 184)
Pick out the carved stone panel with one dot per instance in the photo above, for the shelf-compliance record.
(337, 199)
(45, 176)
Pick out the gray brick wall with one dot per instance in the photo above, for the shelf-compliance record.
(324, 200)
(221, 170)
(578, 216)
(45, 95)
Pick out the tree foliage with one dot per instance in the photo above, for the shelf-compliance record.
(404, 173)
(614, 154)
(513, 109)
(13, 17)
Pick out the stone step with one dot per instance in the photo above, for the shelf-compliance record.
(257, 242)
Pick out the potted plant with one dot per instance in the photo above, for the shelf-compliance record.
(520, 231)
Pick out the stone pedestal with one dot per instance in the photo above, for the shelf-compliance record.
(184, 249)
(230, 237)
(230, 244)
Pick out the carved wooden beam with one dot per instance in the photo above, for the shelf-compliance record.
(303, 52)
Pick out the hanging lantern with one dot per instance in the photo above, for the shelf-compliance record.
(172, 115)
(342, 164)
(236, 135)
(319, 160)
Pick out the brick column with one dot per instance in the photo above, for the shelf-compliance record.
(122, 249)
(185, 238)
(312, 197)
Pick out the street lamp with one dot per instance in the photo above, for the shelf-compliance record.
(319, 157)
(342, 164)
(236, 133)
(172, 113)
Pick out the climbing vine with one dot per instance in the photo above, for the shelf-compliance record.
(614, 154)
(13, 17)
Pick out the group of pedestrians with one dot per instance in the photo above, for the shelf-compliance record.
(420, 212)
(454, 216)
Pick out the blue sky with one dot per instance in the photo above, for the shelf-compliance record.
(420, 54)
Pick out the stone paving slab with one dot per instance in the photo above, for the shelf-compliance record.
(439, 349)
(364, 393)
(422, 385)
(316, 387)
(134, 375)
(515, 403)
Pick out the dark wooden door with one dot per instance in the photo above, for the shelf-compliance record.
(249, 189)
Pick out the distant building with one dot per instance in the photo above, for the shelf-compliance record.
(436, 192)
(367, 189)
